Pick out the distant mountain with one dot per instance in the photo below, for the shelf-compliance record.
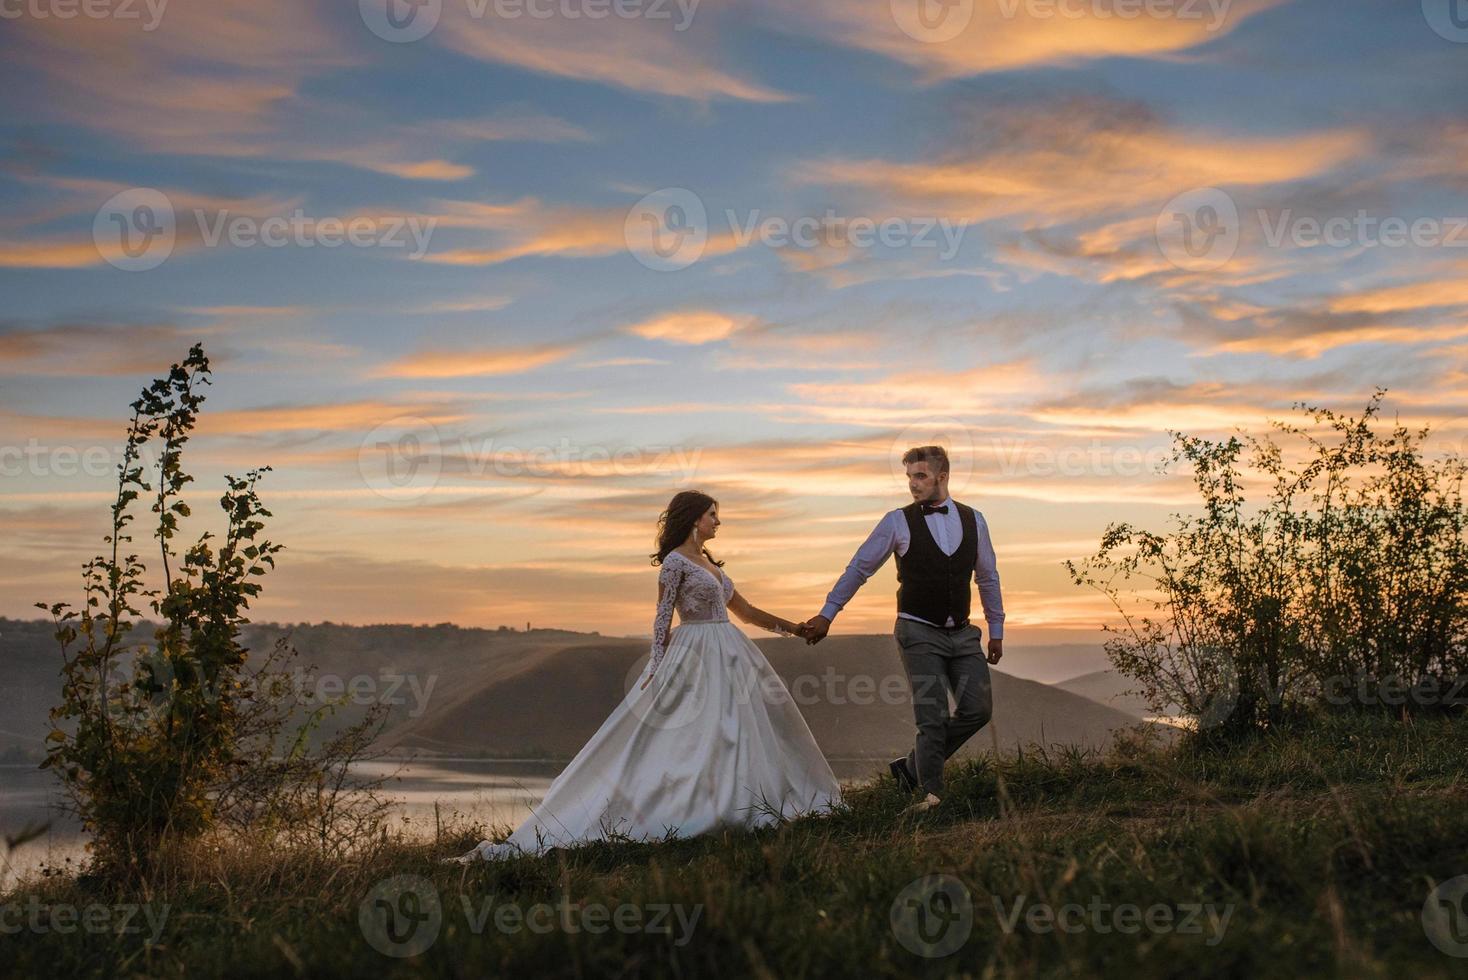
(542, 693)
(851, 690)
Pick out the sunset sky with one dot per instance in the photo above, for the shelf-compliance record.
(1094, 228)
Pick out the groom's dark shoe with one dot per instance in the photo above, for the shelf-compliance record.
(903, 775)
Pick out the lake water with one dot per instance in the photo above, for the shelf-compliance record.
(493, 792)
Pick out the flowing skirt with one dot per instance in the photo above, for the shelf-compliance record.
(714, 740)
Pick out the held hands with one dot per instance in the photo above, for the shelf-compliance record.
(814, 629)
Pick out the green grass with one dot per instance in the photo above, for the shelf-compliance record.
(1320, 845)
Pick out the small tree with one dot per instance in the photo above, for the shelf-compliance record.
(1353, 568)
(145, 731)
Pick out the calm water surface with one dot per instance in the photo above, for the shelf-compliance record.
(494, 792)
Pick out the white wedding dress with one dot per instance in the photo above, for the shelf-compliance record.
(714, 739)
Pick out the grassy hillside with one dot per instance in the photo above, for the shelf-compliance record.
(1305, 853)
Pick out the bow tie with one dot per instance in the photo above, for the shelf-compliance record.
(930, 509)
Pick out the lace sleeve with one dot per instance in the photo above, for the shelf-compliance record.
(668, 581)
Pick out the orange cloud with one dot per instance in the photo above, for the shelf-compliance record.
(689, 327)
(84, 196)
(1003, 35)
(643, 54)
(1068, 175)
(225, 80)
(356, 416)
(531, 228)
(472, 363)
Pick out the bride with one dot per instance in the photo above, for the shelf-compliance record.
(710, 738)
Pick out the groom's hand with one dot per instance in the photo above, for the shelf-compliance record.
(816, 629)
(996, 650)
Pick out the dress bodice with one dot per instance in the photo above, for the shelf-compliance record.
(699, 598)
(693, 590)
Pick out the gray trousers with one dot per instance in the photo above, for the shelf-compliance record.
(938, 662)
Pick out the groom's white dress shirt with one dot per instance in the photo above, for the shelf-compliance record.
(891, 536)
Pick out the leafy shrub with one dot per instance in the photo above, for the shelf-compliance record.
(1347, 580)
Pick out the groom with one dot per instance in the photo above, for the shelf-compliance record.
(939, 542)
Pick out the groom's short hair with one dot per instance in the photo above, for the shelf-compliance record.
(935, 456)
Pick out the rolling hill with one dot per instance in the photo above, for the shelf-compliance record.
(851, 690)
(506, 693)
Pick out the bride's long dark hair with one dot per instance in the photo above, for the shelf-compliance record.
(676, 523)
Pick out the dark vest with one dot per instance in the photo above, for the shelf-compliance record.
(934, 586)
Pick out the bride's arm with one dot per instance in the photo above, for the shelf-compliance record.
(669, 578)
(755, 616)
